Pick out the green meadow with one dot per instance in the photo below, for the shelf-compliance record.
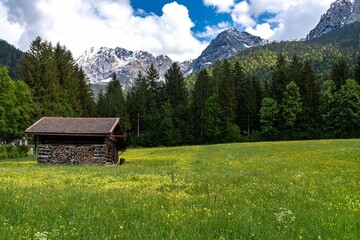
(270, 190)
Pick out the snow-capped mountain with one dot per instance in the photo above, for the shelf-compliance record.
(341, 12)
(225, 45)
(100, 64)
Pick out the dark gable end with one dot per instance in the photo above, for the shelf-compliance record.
(78, 140)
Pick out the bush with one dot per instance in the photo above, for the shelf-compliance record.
(13, 151)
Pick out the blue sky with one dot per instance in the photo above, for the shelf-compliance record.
(180, 29)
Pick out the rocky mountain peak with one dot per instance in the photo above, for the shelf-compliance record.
(225, 45)
(99, 64)
(341, 12)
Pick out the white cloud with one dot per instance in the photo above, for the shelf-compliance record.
(11, 31)
(240, 14)
(220, 5)
(82, 24)
(298, 19)
(213, 31)
(291, 19)
(262, 30)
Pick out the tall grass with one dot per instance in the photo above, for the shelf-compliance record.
(280, 190)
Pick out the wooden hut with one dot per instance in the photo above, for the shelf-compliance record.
(61, 140)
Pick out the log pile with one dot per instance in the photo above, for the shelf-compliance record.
(78, 154)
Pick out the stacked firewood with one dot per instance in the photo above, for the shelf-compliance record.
(74, 154)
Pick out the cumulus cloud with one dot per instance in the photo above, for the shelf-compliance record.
(297, 21)
(262, 30)
(81, 24)
(213, 31)
(221, 5)
(273, 19)
(241, 14)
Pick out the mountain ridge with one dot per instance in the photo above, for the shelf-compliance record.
(340, 13)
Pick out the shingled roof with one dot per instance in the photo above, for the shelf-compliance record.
(74, 126)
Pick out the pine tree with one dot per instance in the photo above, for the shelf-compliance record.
(357, 70)
(116, 101)
(86, 94)
(177, 97)
(227, 94)
(201, 93)
(296, 71)
(347, 110)
(280, 78)
(340, 73)
(38, 69)
(68, 79)
(309, 91)
(326, 107)
(243, 93)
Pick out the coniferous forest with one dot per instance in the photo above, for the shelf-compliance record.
(282, 91)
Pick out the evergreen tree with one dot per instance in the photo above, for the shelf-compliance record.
(243, 93)
(200, 94)
(309, 91)
(326, 107)
(340, 73)
(38, 69)
(177, 97)
(69, 83)
(86, 95)
(101, 105)
(227, 94)
(115, 101)
(296, 71)
(155, 88)
(138, 103)
(280, 78)
(357, 70)
(347, 110)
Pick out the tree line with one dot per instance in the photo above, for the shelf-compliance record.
(225, 104)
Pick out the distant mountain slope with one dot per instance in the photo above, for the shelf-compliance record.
(10, 56)
(225, 45)
(99, 64)
(321, 52)
(341, 12)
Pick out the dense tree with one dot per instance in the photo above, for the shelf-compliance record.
(347, 110)
(357, 69)
(309, 90)
(16, 107)
(291, 105)
(227, 94)
(269, 118)
(242, 93)
(115, 101)
(340, 73)
(279, 79)
(213, 120)
(201, 93)
(58, 86)
(326, 107)
(177, 97)
(86, 95)
(38, 70)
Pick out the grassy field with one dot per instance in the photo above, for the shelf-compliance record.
(275, 190)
